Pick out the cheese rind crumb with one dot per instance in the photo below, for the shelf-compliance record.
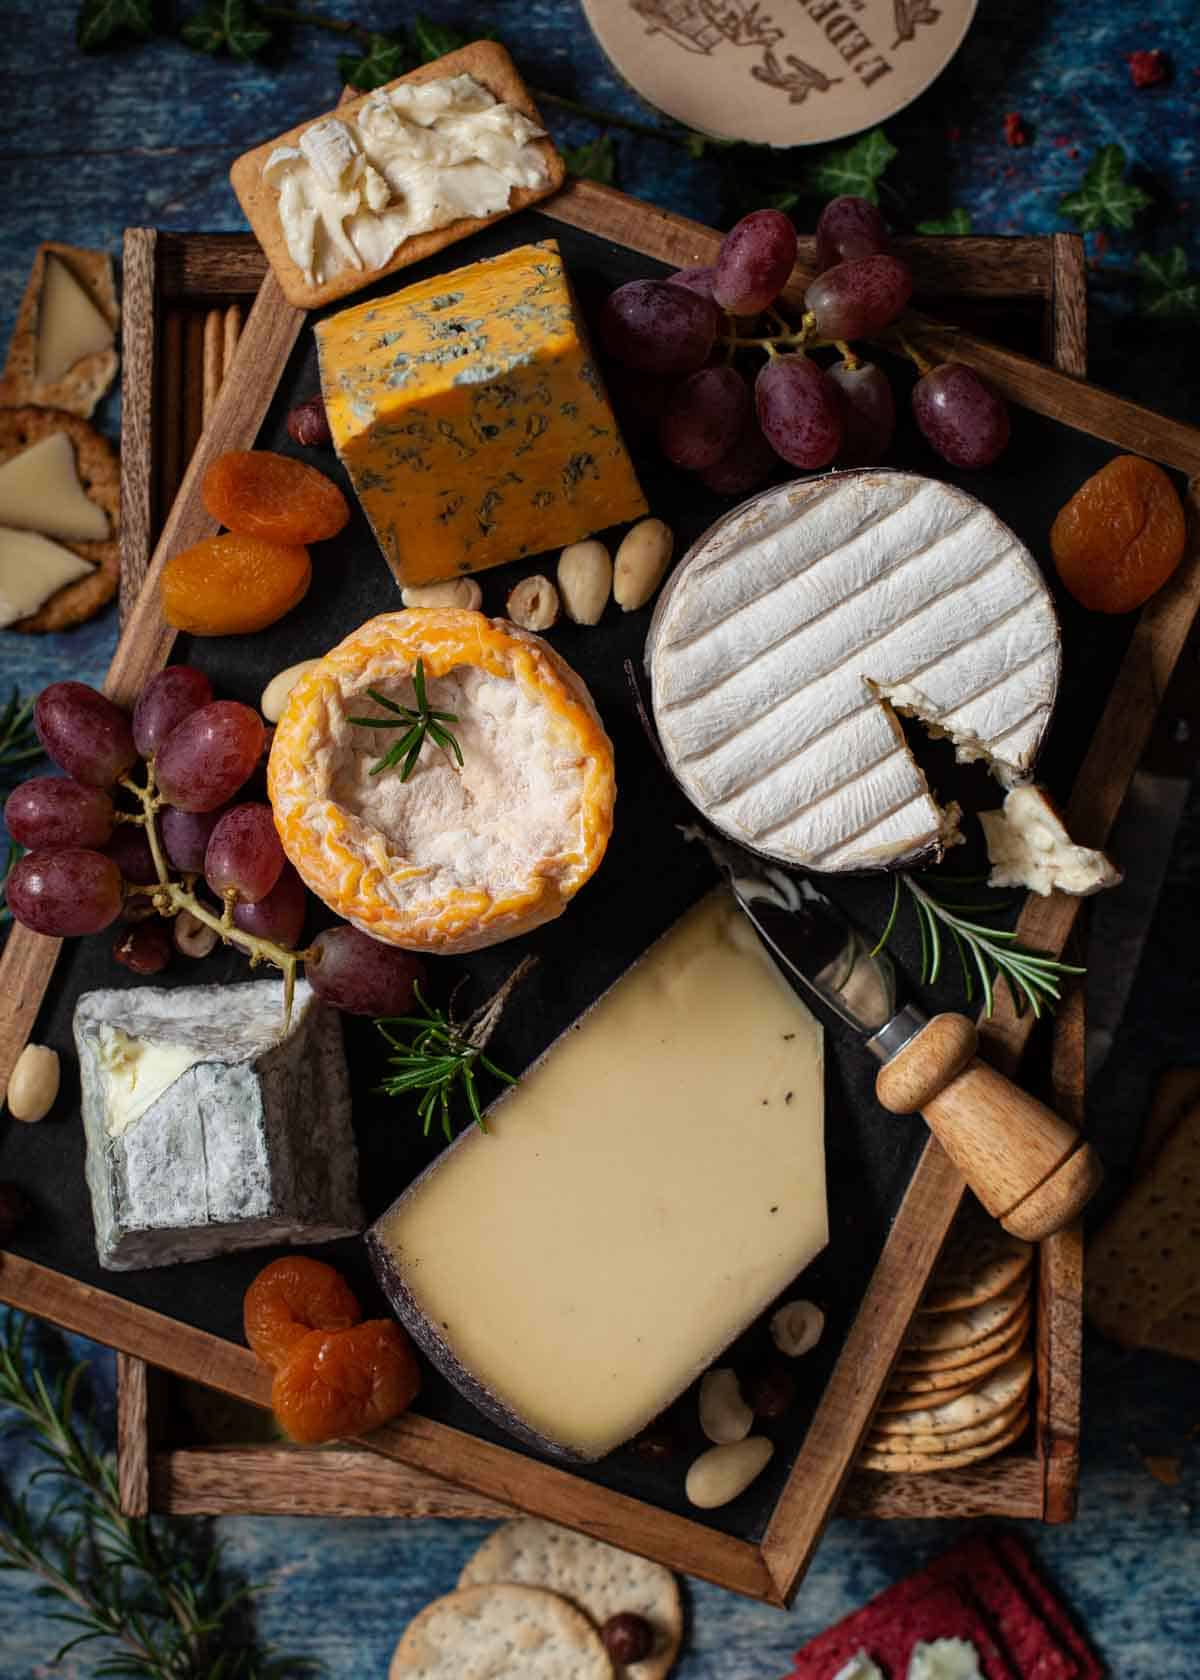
(1028, 846)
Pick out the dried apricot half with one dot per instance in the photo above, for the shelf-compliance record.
(289, 1299)
(345, 1382)
(260, 494)
(1120, 536)
(232, 584)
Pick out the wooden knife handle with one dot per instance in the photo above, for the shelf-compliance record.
(1029, 1168)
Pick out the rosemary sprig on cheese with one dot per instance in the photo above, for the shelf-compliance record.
(985, 953)
(422, 724)
(438, 1056)
(18, 743)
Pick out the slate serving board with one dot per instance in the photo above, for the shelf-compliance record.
(647, 879)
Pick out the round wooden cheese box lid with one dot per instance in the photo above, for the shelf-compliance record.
(780, 72)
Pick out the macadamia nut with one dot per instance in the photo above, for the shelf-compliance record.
(585, 575)
(796, 1327)
(33, 1084)
(641, 564)
(724, 1415)
(275, 696)
(533, 604)
(451, 592)
(721, 1473)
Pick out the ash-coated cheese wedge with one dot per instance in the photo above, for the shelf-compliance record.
(210, 1126)
(649, 1187)
(470, 415)
(457, 856)
(795, 630)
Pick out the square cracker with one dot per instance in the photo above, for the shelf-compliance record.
(490, 65)
(82, 386)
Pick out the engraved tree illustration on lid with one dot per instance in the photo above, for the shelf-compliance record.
(700, 25)
(797, 82)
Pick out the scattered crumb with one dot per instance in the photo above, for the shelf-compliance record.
(1148, 67)
(1015, 131)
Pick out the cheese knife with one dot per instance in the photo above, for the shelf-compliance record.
(1028, 1167)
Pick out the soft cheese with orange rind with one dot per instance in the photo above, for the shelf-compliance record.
(456, 857)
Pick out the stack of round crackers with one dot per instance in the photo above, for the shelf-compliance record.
(532, 1604)
(961, 1387)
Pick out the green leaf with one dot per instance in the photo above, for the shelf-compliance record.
(1168, 292)
(855, 168)
(957, 221)
(100, 21)
(1106, 198)
(386, 58)
(595, 161)
(235, 25)
(434, 40)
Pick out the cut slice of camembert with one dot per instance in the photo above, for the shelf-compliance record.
(457, 855)
(797, 627)
(647, 1190)
(1028, 846)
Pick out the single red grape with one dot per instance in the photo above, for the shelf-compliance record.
(756, 258)
(960, 415)
(361, 975)
(184, 835)
(749, 465)
(849, 228)
(54, 811)
(857, 299)
(280, 915)
(206, 758)
(84, 733)
(165, 701)
(145, 948)
(130, 851)
(704, 417)
(658, 327)
(799, 411)
(244, 855)
(868, 413)
(64, 893)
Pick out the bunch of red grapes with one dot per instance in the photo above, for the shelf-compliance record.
(91, 863)
(675, 339)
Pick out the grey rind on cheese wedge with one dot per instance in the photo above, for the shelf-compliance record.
(648, 1189)
(794, 631)
(209, 1127)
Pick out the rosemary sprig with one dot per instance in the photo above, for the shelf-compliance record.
(144, 1589)
(18, 743)
(440, 1057)
(985, 953)
(422, 723)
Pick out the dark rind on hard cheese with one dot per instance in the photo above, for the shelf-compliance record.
(491, 66)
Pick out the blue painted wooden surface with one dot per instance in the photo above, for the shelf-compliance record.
(145, 136)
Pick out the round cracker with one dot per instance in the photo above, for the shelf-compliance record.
(503, 1631)
(940, 1331)
(1008, 1336)
(930, 1382)
(599, 1579)
(896, 1403)
(980, 1260)
(100, 475)
(948, 1440)
(916, 1464)
(1002, 1389)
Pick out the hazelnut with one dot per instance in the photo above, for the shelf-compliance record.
(308, 424)
(144, 948)
(796, 1327)
(627, 1638)
(15, 1209)
(771, 1391)
(193, 938)
(657, 1444)
(533, 604)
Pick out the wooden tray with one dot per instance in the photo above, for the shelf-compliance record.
(1038, 1481)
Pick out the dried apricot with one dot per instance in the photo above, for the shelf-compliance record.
(229, 585)
(345, 1382)
(1120, 536)
(259, 494)
(289, 1299)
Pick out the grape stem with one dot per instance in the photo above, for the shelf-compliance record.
(170, 897)
(923, 365)
(803, 338)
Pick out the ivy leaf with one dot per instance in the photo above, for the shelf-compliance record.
(233, 24)
(1106, 198)
(852, 169)
(434, 40)
(98, 21)
(1168, 293)
(596, 161)
(384, 60)
(957, 221)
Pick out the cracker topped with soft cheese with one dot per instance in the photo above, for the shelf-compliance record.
(456, 856)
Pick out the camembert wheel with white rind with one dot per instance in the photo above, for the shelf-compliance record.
(798, 626)
(454, 858)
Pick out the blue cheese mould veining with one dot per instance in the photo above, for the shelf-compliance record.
(472, 421)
